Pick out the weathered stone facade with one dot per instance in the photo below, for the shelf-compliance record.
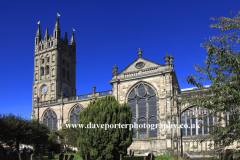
(59, 104)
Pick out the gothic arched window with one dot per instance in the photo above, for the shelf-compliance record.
(47, 70)
(74, 114)
(50, 119)
(143, 102)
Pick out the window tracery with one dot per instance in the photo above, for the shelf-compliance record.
(50, 119)
(74, 114)
(143, 102)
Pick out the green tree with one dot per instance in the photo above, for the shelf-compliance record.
(101, 143)
(222, 71)
(15, 130)
(66, 136)
(72, 136)
(37, 135)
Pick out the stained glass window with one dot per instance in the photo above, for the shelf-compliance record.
(50, 119)
(74, 114)
(143, 102)
(194, 121)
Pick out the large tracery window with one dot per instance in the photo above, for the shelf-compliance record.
(143, 102)
(193, 119)
(74, 114)
(50, 119)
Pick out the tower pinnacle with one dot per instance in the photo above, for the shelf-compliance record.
(57, 31)
(66, 38)
(72, 39)
(46, 37)
(38, 37)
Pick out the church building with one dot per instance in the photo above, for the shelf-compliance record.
(150, 88)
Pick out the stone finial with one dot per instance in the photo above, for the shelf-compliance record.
(94, 88)
(139, 52)
(115, 70)
(171, 59)
(166, 59)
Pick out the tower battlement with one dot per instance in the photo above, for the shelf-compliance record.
(55, 41)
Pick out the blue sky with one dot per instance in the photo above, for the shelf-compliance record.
(108, 32)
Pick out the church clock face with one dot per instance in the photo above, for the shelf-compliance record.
(67, 92)
(44, 89)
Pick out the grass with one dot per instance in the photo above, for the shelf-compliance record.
(77, 157)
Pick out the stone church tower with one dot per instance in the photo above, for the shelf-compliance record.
(54, 66)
